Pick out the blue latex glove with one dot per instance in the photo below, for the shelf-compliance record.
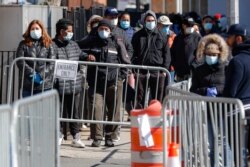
(212, 92)
(36, 78)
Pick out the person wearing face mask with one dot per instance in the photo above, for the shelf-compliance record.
(106, 48)
(36, 44)
(128, 87)
(150, 49)
(69, 90)
(207, 25)
(164, 24)
(237, 83)
(124, 23)
(111, 14)
(183, 50)
(208, 79)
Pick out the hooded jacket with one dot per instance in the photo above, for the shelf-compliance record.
(238, 72)
(151, 47)
(206, 76)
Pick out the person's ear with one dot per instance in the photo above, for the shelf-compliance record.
(239, 39)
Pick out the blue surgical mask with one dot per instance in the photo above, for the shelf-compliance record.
(150, 25)
(208, 26)
(125, 24)
(35, 34)
(165, 30)
(104, 34)
(69, 36)
(211, 60)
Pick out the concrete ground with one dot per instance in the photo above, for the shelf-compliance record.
(118, 156)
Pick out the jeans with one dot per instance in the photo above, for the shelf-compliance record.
(226, 148)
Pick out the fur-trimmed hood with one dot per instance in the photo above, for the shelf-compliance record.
(216, 39)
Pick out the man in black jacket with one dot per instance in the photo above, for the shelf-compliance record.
(105, 89)
(150, 49)
(237, 83)
(183, 50)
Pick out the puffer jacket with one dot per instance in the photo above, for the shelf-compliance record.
(69, 51)
(207, 76)
(37, 50)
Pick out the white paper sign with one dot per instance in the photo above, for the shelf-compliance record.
(146, 138)
(66, 69)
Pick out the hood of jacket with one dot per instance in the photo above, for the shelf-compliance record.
(212, 38)
(242, 48)
(149, 13)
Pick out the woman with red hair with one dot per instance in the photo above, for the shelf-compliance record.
(35, 76)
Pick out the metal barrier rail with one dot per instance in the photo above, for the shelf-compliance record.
(203, 126)
(6, 58)
(85, 68)
(180, 88)
(35, 131)
(5, 158)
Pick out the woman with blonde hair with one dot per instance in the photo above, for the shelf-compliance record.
(208, 79)
(38, 75)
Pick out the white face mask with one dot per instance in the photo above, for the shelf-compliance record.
(211, 60)
(150, 25)
(68, 36)
(189, 30)
(36, 34)
(114, 22)
(104, 34)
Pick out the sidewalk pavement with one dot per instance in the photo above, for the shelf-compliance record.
(118, 156)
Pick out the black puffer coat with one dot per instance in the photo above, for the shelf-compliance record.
(69, 51)
(206, 76)
(37, 50)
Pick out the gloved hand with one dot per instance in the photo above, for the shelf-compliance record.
(212, 92)
(36, 78)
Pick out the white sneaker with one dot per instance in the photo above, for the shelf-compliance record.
(116, 139)
(77, 143)
(61, 140)
(84, 126)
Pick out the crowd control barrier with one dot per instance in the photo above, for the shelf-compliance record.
(155, 78)
(211, 130)
(5, 114)
(30, 131)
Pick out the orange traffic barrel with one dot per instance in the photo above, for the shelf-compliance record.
(141, 155)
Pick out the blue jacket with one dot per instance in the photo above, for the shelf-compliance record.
(238, 74)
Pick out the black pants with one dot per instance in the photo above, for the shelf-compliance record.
(152, 84)
(69, 113)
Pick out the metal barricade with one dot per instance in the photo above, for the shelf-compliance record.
(35, 131)
(90, 70)
(5, 157)
(180, 88)
(209, 131)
